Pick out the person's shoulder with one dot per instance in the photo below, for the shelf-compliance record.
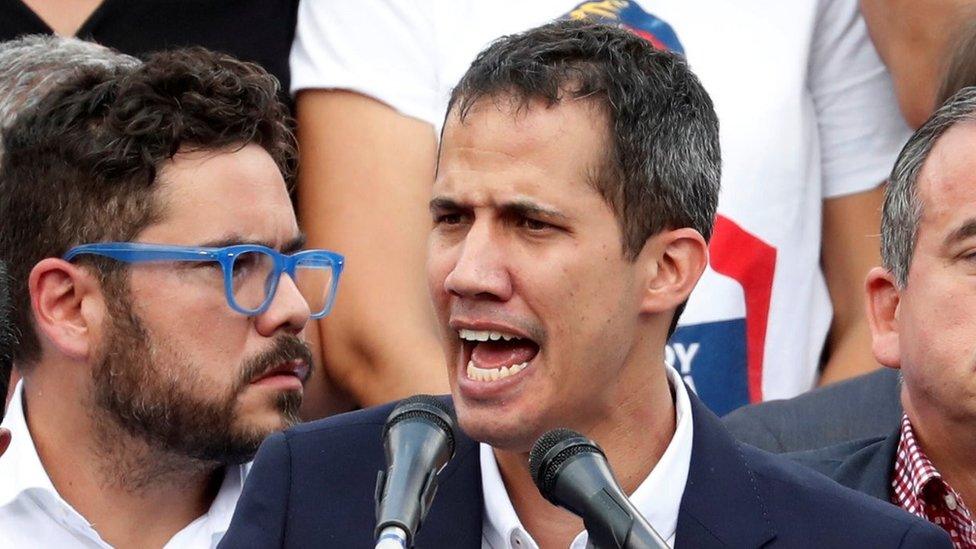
(860, 407)
(829, 458)
(342, 432)
(335, 431)
(314, 484)
(363, 418)
(803, 501)
(783, 471)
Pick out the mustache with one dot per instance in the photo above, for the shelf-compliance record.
(284, 349)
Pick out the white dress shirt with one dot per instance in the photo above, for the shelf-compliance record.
(33, 514)
(658, 497)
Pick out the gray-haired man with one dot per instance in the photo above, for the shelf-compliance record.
(920, 305)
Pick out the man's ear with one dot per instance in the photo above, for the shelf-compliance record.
(674, 262)
(881, 301)
(67, 304)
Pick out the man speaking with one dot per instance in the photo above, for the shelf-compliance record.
(576, 187)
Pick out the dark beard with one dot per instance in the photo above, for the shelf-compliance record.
(163, 406)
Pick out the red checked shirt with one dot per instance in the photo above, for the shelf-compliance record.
(919, 489)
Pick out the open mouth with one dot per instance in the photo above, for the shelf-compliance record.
(496, 355)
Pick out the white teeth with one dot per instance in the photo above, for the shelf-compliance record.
(484, 335)
(474, 335)
(493, 374)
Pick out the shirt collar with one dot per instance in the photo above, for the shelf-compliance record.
(917, 466)
(222, 508)
(208, 529)
(658, 497)
(23, 471)
(24, 474)
(913, 475)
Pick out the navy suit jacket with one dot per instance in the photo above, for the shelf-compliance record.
(862, 407)
(312, 486)
(866, 465)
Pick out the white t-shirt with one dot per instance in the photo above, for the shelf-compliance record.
(806, 110)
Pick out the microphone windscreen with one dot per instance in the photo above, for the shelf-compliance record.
(551, 450)
(425, 407)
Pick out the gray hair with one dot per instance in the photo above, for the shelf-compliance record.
(902, 205)
(33, 65)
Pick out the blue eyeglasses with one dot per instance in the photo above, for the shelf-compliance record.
(251, 272)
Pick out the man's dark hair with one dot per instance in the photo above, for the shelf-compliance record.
(7, 341)
(664, 165)
(82, 165)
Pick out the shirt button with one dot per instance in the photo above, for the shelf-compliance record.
(950, 501)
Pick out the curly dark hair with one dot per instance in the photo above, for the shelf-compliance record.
(81, 166)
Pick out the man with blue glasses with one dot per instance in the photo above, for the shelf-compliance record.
(160, 293)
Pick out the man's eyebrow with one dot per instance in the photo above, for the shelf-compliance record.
(295, 244)
(441, 203)
(514, 207)
(529, 208)
(966, 230)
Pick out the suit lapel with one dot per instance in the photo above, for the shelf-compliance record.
(870, 469)
(721, 505)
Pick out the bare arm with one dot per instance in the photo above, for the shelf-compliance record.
(913, 38)
(363, 188)
(851, 247)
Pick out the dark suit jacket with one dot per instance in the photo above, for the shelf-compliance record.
(312, 486)
(863, 407)
(866, 465)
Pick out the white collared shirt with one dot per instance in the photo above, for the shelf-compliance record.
(33, 514)
(658, 497)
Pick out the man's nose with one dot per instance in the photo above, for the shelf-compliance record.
(288, 311)
(481, 269)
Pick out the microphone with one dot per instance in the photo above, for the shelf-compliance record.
(419, 440)
(571, 471)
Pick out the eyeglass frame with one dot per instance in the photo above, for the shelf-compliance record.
(139, 252)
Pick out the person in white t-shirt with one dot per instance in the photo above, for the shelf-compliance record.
(809, 127)
(917, 40)
(156, 352)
